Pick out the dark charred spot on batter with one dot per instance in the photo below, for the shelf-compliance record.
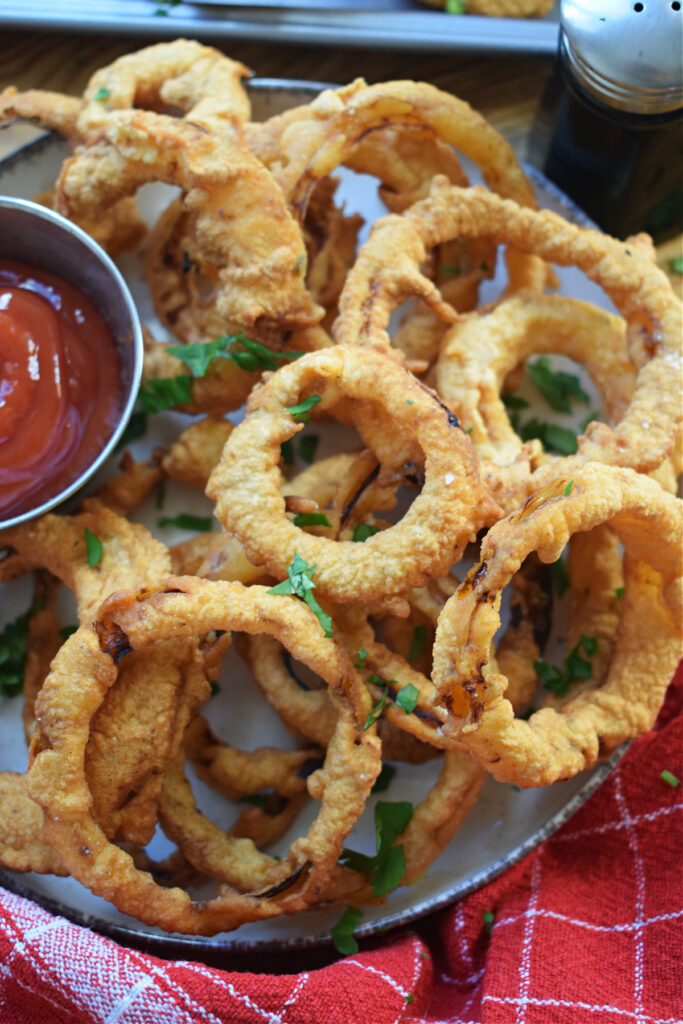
(453, 420)
(289, 666)
(113, 641)
(310, 765)
(283, 886)
(350, 505)
(188, 263)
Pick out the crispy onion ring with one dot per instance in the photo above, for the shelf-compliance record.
(441, 520)
(86, 668)
(648, 431)
(557, 744)
(246, 230)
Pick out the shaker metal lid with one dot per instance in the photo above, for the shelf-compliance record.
(628, 54)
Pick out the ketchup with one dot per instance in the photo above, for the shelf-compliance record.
(60, 385)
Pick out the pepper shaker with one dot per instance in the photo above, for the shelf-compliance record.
(609, 131)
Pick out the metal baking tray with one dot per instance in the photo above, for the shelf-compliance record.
(394, 24)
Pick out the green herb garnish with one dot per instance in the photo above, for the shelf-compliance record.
(559, 574)
(554, 438)
(620, 591)
(669, 778)
(417, 644)
(93, 546)
(160, 495)
(165, 393)
(307, 448)
(387, 867)
(13, 650)
(558, 388)
(311, 519)
(677, 265)
(568, 489)
(342, 933)
(488, 921)
(184, 521)
(362, 531)
(362, 655)
(455, 6)
(407, 698)
(135, 428)
(377, 708)
(301, 412)
(287, 453)
(101, 94)
(383, 780)
(300, 584)
(255, 800)
(449, 270)
(559, 680)
(252, 357)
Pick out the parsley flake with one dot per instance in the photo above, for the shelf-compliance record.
(165, 393)
(568, 489)
(488, 921)
(455, 6)
(135, 428)
(407, 698)
(362, 531)
(669, 778)
(255, 800)
(301, 412)
(387, 866)
(101, 94)
(559, 574)
(409, 998)
(311, 519)
(94, 548)
(620, 591)
(300, 584)
(185, 521)
(342, 933)
(13, 650)
(558, 388)
(383, 780)
(449, 270)
(559, 680)
(307, 448)
(287, 453)
(417, 644)
(554, 438)
(253, 356)
(362, 655)
(377, 708)
(677, 265)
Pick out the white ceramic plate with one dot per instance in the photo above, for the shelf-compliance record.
(504, 825)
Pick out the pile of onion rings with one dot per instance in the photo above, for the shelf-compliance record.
(346, 583)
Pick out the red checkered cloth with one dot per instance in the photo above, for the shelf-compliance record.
(587, 928)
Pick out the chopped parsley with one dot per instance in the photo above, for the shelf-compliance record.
(559, 574)
(553, 437)
(669, 778)
(362, 531)
(568, 489)
(407, 698)
(409, 998)
(383, 780)
(287, 453)
(165, 393)
(301, 412)
(488, 921)
(455, 6)
(558, 388)
(342, 933)
(677, 265)
(307, 448)
(101, 94)
(300, 583)
(93, 546)
(185, 521)
(311, 519)
(417, 644)
(387, 866)
(135, 428)
(252, 357)
(620, 591)
(377, 708)
(513, 402)
(13, 650)
(575, 667)
(449, 270)
(361, 654)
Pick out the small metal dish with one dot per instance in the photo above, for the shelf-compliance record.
(32, 234)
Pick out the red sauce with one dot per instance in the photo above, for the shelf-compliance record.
(60, 389)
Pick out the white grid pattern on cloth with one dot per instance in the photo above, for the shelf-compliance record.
(525, 962)
(573, 1005)
(296, 991)
(639, 896)
(615, 825)
(629, 927)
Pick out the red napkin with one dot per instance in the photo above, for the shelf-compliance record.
(587, 928)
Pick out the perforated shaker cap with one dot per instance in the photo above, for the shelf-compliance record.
(628, 54)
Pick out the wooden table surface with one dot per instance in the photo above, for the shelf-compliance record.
(506, 90)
